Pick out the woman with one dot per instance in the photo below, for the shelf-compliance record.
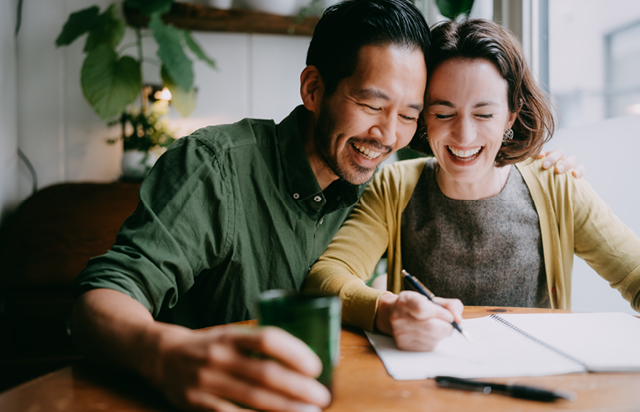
(482, 221)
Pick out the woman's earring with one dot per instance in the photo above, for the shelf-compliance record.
(422, 135)
(508, 135)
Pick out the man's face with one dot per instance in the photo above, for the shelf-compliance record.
(372, 113)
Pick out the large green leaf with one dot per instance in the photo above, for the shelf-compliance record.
(108, 30)
(453, 8)
(184, 101)
(110, 83)
(78, 24)
(171, 53)
(150, 7)
(197, 50)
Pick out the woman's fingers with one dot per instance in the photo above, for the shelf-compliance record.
(454, 306)
(562, 164)
(419, 324)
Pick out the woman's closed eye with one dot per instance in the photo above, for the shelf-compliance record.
(443, 116)
(485, 116)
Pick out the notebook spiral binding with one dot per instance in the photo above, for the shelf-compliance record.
(538, 341)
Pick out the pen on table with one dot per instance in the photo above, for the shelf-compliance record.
(417, 286)
(516, 391)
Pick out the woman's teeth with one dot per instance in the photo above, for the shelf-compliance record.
(465, 154)
(367, 153)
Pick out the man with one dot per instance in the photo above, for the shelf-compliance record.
(234, 210)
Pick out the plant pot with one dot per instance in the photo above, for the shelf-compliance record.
(136, 164)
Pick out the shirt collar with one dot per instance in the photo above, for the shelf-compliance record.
(301, 181)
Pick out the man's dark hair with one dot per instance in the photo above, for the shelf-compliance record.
(347, 26)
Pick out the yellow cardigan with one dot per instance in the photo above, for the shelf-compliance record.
(573, 219)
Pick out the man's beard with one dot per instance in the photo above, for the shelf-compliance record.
(325, 143)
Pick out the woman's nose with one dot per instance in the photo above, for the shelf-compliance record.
(465, 132)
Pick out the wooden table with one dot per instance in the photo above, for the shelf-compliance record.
(361, 384)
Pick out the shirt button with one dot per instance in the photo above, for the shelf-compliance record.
(317, 199)
(296, 196)
(321, 220)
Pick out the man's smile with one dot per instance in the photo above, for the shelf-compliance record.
(365, 152)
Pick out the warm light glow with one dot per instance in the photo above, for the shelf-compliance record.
(633, 108)
(164, 94)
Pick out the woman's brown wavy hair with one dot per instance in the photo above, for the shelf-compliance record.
(484, 39)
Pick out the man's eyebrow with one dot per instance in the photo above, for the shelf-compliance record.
(378, 94)
(372, 94)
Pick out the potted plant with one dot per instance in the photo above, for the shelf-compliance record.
(111, 80)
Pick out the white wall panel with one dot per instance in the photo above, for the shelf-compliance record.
(8, 110)
(223, 93)
(276, 63)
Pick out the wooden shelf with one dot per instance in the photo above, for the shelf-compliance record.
(198, 17)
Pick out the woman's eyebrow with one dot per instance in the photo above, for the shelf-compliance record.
(487, 103)
(441, 103)
(449, 104)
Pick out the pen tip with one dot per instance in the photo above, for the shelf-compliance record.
(467, 335)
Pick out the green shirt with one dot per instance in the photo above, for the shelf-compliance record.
(226, 213)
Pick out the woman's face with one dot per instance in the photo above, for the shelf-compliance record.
(466, 115)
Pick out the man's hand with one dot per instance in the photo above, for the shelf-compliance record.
(415, 323)
(563, 164)
(215, 370)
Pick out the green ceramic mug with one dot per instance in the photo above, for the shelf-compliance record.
(312, 317)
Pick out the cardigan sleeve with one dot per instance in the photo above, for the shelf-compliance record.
(372, 229)
(605, 243)
(574, 220)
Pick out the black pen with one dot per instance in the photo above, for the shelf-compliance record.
(516, 391)
(417, 286)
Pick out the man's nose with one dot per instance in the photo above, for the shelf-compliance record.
(385, 130)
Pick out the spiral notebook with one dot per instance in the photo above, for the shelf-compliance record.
(523, 345)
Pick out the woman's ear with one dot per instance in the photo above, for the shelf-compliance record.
(511, 119)
(311, 88)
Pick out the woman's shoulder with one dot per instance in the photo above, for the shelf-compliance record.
(531, 170)
(409, 170)
(397, 180)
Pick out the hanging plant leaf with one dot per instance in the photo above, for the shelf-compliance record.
(78, 24)
(110, 83)
(453, 8)
(150, 7)
(197, 50)
(109, 30)
(184, 101)
(171, 53)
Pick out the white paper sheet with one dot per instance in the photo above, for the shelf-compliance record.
(498, 351)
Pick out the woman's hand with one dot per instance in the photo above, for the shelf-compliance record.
(415, 323)
(562, 164)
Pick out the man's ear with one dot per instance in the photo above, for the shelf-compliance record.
(311, 88)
